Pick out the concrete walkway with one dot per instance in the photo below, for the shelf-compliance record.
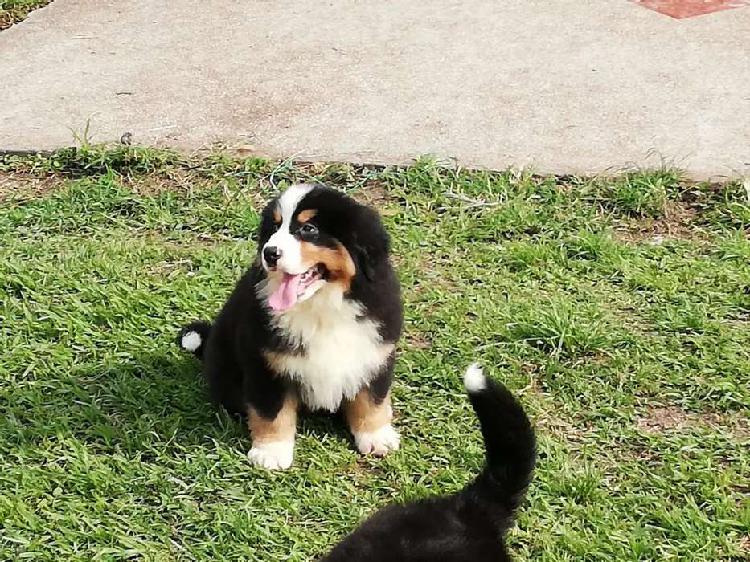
(567, 86)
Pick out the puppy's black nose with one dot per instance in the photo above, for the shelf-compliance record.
(271, 254)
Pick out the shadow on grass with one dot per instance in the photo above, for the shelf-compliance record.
(145, 405)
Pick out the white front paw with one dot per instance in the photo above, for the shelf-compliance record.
(276, 455)
(378, 442)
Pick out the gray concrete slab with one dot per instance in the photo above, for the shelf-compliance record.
(566, 86)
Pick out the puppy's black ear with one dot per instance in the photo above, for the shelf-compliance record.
(267, 224)
(371, 242)
(364, 263)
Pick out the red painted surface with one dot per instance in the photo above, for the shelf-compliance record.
(690, 8)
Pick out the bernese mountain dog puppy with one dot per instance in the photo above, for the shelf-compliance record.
(314, 323)
(469, 526)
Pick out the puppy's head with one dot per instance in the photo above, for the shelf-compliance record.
(312, 236)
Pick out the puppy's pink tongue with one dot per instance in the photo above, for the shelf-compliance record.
(286, 293)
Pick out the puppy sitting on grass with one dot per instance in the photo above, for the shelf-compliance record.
(313, 322)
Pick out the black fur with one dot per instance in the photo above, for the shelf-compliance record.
(233, 354)
(468, 526)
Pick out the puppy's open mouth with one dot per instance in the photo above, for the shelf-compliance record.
(292, 287)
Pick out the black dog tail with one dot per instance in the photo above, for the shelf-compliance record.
(194, 336)
(510, 446)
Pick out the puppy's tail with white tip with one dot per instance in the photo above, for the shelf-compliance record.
(510, 446)
(474, 379)
(193, 337)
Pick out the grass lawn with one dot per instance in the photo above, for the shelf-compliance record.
(618, 308)
(13, 11)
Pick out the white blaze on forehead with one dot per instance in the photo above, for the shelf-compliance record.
(283, 239)
(290, 199)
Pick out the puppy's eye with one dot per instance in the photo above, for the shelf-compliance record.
(308, 229)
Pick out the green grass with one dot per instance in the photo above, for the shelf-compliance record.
(13, 11)
(584, 295)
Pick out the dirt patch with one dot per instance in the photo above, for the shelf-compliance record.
(374, 194)
(658, 420)
(678, 223)
(176, 180)
(21, 187)
(661, 419)
(573, 434)
(418, 340)
(183, 181)
(168, 268)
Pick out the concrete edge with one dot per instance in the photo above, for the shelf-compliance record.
(449, 163)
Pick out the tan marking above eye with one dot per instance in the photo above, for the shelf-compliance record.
(306, 215)
(277, 216)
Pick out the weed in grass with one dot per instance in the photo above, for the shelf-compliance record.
(642, 194)
(562, 328)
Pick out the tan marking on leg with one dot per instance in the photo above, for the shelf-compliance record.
(281, 428)
(364, 415)
(306, 215)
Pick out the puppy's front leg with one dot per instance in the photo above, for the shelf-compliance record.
(369, 420)
(273, 438)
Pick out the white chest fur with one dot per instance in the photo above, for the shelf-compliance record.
(342, 351)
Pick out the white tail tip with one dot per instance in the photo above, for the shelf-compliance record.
(191, 341)
(474, 379)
